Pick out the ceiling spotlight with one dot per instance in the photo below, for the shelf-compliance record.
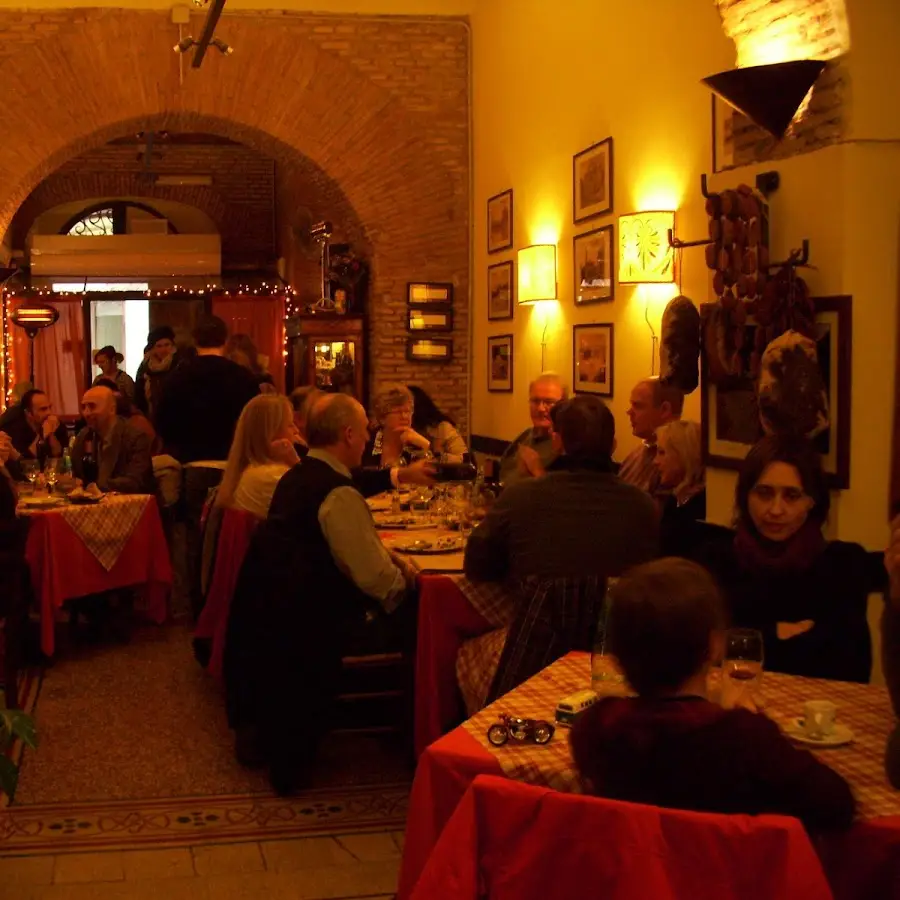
(184, 45)
(222, 47)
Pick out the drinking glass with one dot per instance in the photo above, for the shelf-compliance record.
(30, 470)
(742, 666)
(51, 473)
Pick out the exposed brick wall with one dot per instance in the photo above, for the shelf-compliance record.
(240, 201)
(767, 31)
(367, 121)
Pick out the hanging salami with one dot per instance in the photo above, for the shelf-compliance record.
(679, 346)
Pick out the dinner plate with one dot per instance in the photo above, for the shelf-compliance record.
(838, 738)
(42, 502)
(430, 548)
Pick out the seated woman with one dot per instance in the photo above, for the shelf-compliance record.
(394, 442)
(261, 452)
(682, 480)
(438, 427)
(807, 596)
(670, 746)
(302, 399)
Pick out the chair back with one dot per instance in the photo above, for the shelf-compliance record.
(234, 534)
(511, 841)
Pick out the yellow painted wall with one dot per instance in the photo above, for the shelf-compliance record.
(546, 86)
(340, 7)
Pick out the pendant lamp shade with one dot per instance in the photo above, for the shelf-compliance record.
(768, 95)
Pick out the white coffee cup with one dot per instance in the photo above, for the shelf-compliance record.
(818, 719)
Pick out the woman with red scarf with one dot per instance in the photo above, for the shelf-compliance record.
(807, 596)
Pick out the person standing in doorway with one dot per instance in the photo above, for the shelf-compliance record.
(107, 360)
(160, 361)
(198, 412)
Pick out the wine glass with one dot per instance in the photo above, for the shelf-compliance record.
(51, 473)
(742, 666)
(31, 471)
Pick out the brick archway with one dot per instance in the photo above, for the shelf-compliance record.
(367, 120)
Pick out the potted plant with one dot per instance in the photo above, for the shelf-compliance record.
(13, 724)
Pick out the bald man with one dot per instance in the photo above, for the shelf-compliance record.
(316, 574)
(109, 450)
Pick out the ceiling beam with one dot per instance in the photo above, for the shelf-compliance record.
(209, 29)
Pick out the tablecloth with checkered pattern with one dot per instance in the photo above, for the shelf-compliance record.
(864, 708)
(105, 527)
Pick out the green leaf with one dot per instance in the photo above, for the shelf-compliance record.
(9, 776)
(19, 724)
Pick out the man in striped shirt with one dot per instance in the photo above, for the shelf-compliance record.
(653, 404)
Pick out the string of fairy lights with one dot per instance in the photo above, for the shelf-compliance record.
(10, 297)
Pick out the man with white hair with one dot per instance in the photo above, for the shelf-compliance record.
(109, 450)
(315, 572)
(531, 453)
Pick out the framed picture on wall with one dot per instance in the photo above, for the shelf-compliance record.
(500, 222)
(592, 181)
(421, 293)
(430, 350)
(500, 291)
(729, 418)
(592, 359)
(594, 266)
(500, 363)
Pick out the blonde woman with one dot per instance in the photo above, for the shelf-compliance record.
(682, 480)
(261, 452)
(394, 440)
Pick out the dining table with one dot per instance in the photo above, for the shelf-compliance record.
(861, 864)
(75, 549)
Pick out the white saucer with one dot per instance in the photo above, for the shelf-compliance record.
(838, 738)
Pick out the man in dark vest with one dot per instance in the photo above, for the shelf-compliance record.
(315, 570)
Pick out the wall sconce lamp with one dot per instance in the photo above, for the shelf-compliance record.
(537, 273)
(768, 95)
(31, 318)
(645, 256)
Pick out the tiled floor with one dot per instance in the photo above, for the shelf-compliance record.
(327, 868)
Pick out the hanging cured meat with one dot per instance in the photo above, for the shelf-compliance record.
(791, 394)
(679, 346)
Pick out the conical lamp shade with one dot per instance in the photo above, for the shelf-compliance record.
(768, 95)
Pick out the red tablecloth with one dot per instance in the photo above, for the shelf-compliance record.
(63, 568)
(863, 864)
(511, 841)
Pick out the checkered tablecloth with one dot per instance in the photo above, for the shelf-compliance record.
(865, 709)
(105, 527)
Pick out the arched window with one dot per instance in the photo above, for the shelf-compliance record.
(109, 218)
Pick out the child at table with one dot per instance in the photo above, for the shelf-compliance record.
(670, 746)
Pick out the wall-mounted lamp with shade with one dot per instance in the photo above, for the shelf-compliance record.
(537, 273)
(645, 256)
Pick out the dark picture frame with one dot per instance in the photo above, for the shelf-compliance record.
(429, 350)
(422, 293)
(500, 376)
(429, 318)
(593, 358)
(500, 276)
(500, 222)
(592, 181)
(589, 268)
(729, 418)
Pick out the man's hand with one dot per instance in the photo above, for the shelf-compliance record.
(51, 423)
(421, 472)
(409, 571)
(529, 463)
(892, 560)
(788, 630)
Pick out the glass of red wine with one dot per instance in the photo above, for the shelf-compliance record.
(742, 666)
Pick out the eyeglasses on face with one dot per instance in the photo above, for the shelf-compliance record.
(542, 401)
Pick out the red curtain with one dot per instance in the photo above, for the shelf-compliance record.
(262, 318)
(58, 356)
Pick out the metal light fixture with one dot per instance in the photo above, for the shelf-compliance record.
(32, 317)
(768, 95)
(537, 273)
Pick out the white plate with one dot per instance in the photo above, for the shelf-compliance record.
(41, 500)
(429, 547)
(838, 738)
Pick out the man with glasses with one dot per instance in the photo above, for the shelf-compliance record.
(532, 451)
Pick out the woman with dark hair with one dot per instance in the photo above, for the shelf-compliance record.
(241, 349)
(437, 426)
(807, 596)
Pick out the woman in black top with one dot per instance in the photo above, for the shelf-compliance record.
(807, 596)
(682, 481)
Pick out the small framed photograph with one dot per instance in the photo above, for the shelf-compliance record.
(592, 359)
(501, 290)
(594, 266)
(592, 181)
(500, 222)
(436, 350)
(500, 363)
(429, 318)
(419, 294)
